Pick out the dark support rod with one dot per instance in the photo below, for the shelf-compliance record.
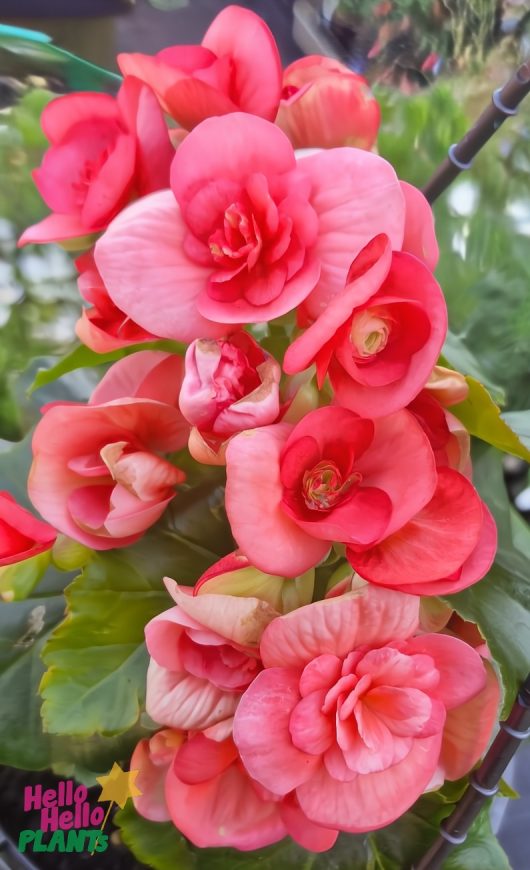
(503, 104)
(484, 782)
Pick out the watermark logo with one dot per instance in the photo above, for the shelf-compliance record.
(68, 823)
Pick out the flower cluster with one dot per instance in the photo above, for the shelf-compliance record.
(285, 708)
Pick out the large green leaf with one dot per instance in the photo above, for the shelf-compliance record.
(160, 845)
(482, 418)
(458, 356)
(96, 658)
(500, 603)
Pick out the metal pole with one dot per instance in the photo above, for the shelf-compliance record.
(503, 104)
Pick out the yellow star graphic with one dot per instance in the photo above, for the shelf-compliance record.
(118, 785)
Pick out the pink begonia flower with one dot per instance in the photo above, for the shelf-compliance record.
(229, 385)
(454, 510)
(98, 474)
(381, 337)
(358, 715)
(21, 534)
(201, 786)
(204, 653)
(370, 484)
(103, 327)
(325, 105)
(104, 151)
(247, 232)
(332, 477)
(234, 575)
(236, 68)
(450, 440)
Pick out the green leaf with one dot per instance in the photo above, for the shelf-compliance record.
(18, 580)
(157, 844)
(96, 658)
(82, 357)
(482, 418)
(519, 422)
(500, 603)
(161, 846)
(481, 849)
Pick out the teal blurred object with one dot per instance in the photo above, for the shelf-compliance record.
(31, 53)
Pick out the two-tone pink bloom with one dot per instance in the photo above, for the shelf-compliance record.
(21, 534)
(248, 231)
(380, 338)
(370, 484)
(229, 385)
(200, 784)
(325, 105)
(104, 152)
(359, 715)
(236, 68)
(204, 654)
(99, 472)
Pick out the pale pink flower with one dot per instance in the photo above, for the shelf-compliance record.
(198, 782)
(99, 474)
(325, 105)
(204, 653)
(247, 232)
(357, 715)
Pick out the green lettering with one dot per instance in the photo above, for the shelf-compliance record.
(24, 839)
(56, 842)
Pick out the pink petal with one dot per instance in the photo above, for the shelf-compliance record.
(311, 730)
(461, 669)
(400, 461)
(469, 728)
(370, 616)
(63, 113)
(475, 567)
(244, 145)
(225, 811)
(437, 541)
(420, 237)
(253, 504)
(154, 149)
(151, 778)
(147, 273)
(293, 292)
(57, 227)
(180, 700)
(261, 732)
(371, 267)
(148, 374)
(373, 800)
(200, 759)
(243, 36)
(240, 620)
(356, 196)
(312, 837)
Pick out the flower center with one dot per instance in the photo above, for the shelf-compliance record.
(369, 332)
(238, 239)
(323, 486)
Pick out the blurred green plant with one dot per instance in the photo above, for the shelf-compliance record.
(482, 222)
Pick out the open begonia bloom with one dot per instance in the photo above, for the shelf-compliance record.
(351, 708)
